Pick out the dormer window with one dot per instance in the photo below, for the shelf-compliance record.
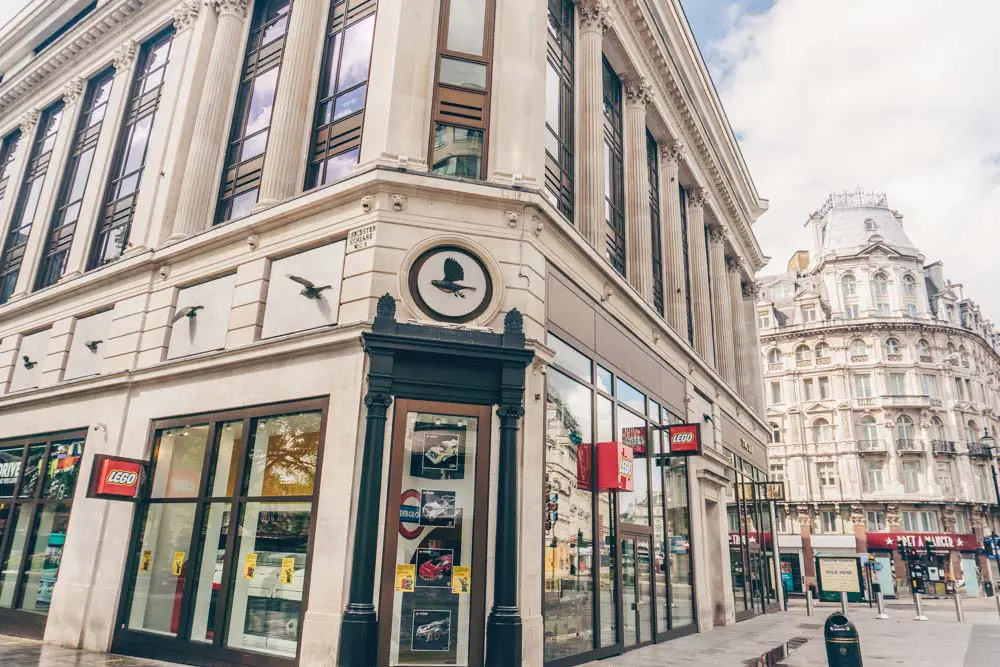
(869, 225)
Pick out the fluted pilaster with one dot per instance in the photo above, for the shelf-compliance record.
(727, 340)
(674, 287)
(284, 168)
(197, 200)
(701, 302)
(744, 348)
(589, 207)
(638, 236)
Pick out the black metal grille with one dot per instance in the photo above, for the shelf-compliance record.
(682, 193)
(559, 106)
(653, 164)
(28, 199)
(614, 187)
(343, 88)
(247, 143)
(74, 181)
(115, 223)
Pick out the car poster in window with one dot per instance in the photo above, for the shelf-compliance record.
(437, 508)
(438, 451)
(431, 630)
(10, 470)
(434, 567)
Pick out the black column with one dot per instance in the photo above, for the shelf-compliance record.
(503, 629)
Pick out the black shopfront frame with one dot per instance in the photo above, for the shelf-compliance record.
(160, 647)
(758, 511)
(620, 529)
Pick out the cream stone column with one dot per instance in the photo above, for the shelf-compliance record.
(589, 205)
(751, 293)
(727, 341)
(50, 188)
(93, 196)
(701, 305)
(291, 121)
(674, 286)
(744, 347)
(638, 236)
(196, 202)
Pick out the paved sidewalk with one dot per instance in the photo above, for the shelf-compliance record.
(17, 652)
(767, 640)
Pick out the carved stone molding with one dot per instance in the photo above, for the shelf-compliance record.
(735, 265)
(398, 202)
(185, 14)
(72, 91)
(638, 91)
(235, 8)
(124, 55)
(802, 515)
(697, 198)
(594, 15)
(858, 515)
(717, 235)
(28, 121)
(672, 151)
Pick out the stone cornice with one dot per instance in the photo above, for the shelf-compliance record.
(101, 29)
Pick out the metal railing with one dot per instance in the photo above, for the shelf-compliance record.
(975, 449)
(926, 359)
(943, 447)
(907, 446)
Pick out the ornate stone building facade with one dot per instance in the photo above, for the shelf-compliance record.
(881, 379)
(359, 286)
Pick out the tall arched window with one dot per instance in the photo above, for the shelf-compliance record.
(880, 284)
(972, 432)
(774, 356)
(963, 356)
(868, 431)
(822, 431)
(892, 346)
(775, 432)
(858, 348)
(951, 349)
(924, 349)
(904, 429)
(822, 350)
(937, 427)
(848, 285)
(909, 286)
(802, 353)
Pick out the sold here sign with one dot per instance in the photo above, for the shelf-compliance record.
(115, 478)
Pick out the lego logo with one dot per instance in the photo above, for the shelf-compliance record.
(683, 437)
(625, 467)
(122, 478)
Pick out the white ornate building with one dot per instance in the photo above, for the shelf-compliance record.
(880, 380)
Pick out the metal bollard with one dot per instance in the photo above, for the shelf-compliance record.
(996, 597)
(809, 601)
(881, 615)
(843, 603)
(920, 608)
(843, 647)
(959, 612)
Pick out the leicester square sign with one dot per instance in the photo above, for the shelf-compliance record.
(938, 541)
(115, 478)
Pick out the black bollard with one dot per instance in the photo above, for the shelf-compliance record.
(843, 648)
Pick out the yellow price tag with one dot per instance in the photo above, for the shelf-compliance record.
(250, 566)
(287, 570)
(178, 565)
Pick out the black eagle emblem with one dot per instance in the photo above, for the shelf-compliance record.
(454, 274)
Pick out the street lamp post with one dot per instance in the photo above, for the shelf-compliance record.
(989, 444)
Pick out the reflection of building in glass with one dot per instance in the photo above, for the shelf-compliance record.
(458, 151)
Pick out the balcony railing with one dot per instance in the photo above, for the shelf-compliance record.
(977, 450)
(894, 357)
(906, 446)
(859, 358)
(871, 446)
(917, 400)
(775, 367)
(865, 402)
(943, 447)
(953, 362)
(823, 361)
(926, 359)
(937, 402)
(802, 363)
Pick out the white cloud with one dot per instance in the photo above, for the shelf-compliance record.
(894, 95)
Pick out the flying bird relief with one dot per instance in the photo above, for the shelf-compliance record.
(28, 363)
(454, 274)
(309, 289)
(92, 345)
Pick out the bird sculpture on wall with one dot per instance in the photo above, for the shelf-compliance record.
(453, 275)
(188, 311)
(92, 345)
(309, 289)
(28, 363)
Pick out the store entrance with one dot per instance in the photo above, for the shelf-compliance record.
(434, 567)
(636, 590)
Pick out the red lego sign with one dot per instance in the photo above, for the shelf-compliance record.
(115, 478)
(684, 439)
(614, 467)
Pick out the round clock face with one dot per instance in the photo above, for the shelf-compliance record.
(450, 284)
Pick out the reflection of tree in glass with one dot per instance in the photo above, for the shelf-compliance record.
(288, 456)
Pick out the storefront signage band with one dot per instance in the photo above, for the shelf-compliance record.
(116, 478)
(940, 541)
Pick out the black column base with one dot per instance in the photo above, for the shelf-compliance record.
(358, 636)
(503, 637)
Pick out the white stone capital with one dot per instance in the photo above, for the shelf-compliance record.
(28, 121)
(236, 8)
(672, 151)
(638, 91)
(697, 197)
(124, 55)
(72, 91)
(185, 14)
(594, 15)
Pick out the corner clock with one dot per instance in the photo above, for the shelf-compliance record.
(450, 284)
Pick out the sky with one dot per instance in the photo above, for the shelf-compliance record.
(8, 8)
(894, 96)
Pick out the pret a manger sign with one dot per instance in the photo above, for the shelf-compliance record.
(115, 478)
(684, 439)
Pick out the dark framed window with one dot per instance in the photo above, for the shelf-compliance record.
(683, 195)
(128, 165)
(74, 180)
(28, 199)
(223, 527)
(38, 477)
(711, 295)
(460, 117)
(247, 145)
(8, 151)
(559, 105)
(614, 171)
(653, 165)
(343, 88)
